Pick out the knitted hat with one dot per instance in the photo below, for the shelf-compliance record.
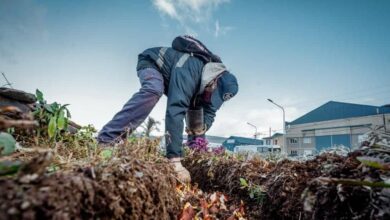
(227, 87)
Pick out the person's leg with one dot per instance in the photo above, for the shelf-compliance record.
(135, 111)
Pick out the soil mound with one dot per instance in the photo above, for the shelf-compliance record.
(327, 187)
(122, 188)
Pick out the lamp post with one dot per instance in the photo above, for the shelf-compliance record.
(254, 127)
(284, 124)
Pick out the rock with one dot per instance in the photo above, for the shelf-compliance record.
(4, 102)
(17, 95)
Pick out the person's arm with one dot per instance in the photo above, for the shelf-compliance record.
(209, 115)
(181, 88)
(208, 119)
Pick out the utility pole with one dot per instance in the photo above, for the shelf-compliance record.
(284, 124)
(270, 139)
(255, 129)
(270, 131)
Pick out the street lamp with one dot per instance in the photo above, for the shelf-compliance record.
(254, 127)
(284, 124)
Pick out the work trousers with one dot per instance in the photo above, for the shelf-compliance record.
(135, 111)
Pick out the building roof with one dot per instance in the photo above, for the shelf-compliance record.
(215, 139)
(210, 139)
(234, 141)
(277, 135)
(246, 141)
(339, 110)
(274, 136)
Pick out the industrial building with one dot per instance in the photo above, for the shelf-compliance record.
(234, 141)
(334, 124)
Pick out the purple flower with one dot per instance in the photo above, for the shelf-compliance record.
(219, 150)
(199, 144)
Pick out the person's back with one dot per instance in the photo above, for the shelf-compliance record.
(166, 59)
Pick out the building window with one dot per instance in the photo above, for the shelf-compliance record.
(294, 153)
(230, 141)
(293, 140)
(275, 142)
(261, 149)
(307, 140)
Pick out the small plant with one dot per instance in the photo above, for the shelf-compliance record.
(199, 144)
(219, 150)
(149, 126)
(256, 192)
(53, 117)
(86, 134)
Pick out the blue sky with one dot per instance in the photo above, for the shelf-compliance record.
(301, 54)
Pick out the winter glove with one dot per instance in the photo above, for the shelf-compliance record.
(181, 172)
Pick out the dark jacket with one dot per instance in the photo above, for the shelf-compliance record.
(181, 85)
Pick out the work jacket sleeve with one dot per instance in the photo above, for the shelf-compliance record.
(209, 114)
(181, 88)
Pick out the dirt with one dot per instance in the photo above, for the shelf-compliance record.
(208, 206)
(131, 186)
(327, 200)
(292, 189)
(136, 182)
(122, 188)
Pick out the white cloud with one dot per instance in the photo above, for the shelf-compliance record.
(221, 30)
(166, 7)
(231, 121)
(183, 10)
(190, 13)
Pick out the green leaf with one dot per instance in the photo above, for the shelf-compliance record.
(106, 153)
(251, 194)
(68, 113)
(7, 144)
(65, 109)
(64, 106)
(51, 130)
(9, 167)
(55, 106)
(39, 96)
(243, 182)
(66, 124)
(48, 108)
(53, 168)
(61, 120)
(374, 162)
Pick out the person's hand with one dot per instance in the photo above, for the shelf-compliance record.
(181, 172)
(197, 132)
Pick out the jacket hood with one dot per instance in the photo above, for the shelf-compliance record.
(210, 71)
